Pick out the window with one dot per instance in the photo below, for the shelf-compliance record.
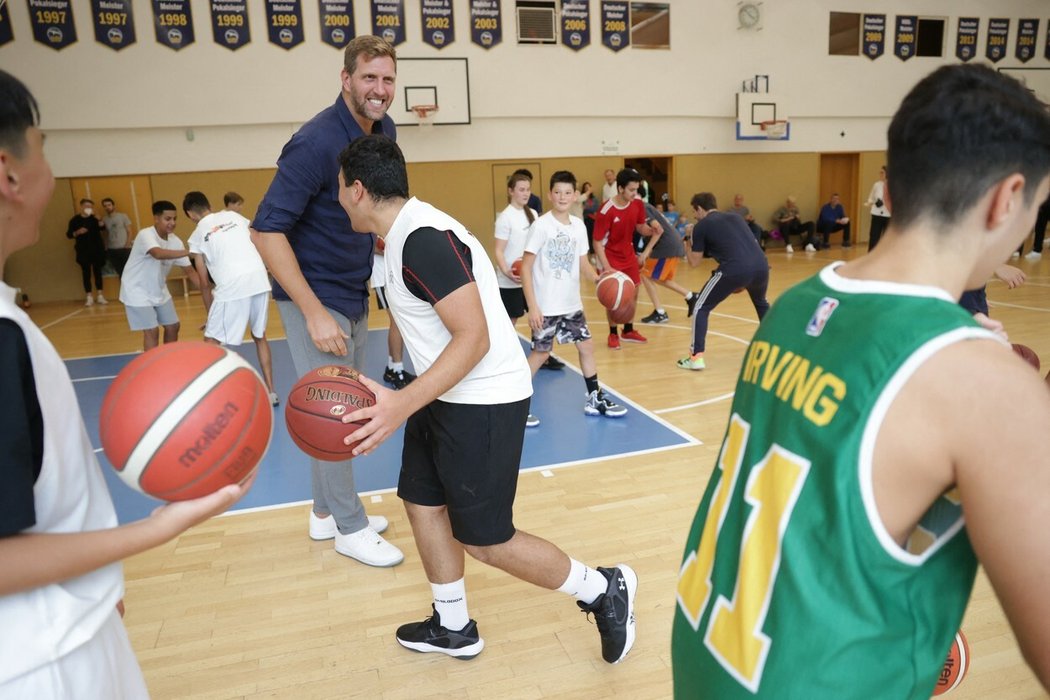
(537, 22)
(844, 34)
(650, 25)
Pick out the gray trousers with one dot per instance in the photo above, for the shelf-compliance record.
(332, 482)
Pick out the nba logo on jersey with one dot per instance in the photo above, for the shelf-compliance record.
(820, 317)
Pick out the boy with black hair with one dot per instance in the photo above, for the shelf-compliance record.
(881, 442)
(61, 582)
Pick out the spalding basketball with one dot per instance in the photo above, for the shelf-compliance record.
(185, 419)
(515, 267)
(955, 666)
(316, 406)
(1027, 354)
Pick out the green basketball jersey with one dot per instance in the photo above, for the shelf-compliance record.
(790, 586)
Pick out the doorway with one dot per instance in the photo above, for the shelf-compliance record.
(839, 174)
(657, 172)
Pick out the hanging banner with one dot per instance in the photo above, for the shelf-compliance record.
(1027, 31)
(337, 23)
(438, 28)
(998, 33)
(388, 20)
(114, 23)
(52, 22)
(616, 25)
(486, 26)
(966, 38)
(874, 35)
(576, 23)
(904, 37)
(284, 22)
(1046, 51)
(6, 33)
(173, 23)
(229, 24)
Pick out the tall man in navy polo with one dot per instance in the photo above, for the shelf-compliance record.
(321, 271)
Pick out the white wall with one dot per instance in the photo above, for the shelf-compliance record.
(128, 112)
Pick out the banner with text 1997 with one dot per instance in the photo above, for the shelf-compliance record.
(52, 22)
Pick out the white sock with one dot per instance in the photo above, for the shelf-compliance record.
(396, 366)
(450, 602)
(660, 311)
(584, 583)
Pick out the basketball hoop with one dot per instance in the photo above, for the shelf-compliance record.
(775, 129)
(425, 114)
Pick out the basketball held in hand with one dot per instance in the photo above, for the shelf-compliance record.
(515, 268)
(315, 410)
(184, 420)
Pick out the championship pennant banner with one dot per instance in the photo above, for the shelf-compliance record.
(615, 18)
(114, 23)
(486, 24)
(388, 20)
(6, 33)
(1046, 52)
(998, 33)
(173, 23)
(439, 29)
(874, 35)
(284, 22)
(52, 22)
(229, 24)
(966, 38)
(576, 23)
(1027, 31)
(904, 39)
(337, 23)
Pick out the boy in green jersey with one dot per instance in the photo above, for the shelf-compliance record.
(830, 557)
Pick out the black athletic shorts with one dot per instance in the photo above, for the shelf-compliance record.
(513, 301)
(466, 457)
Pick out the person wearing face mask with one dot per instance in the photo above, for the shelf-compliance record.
(86, 231)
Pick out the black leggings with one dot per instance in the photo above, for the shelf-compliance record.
(878, 225)
(86, 270)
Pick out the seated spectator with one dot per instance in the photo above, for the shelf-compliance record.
(788, 221)
(745, 214)
(833, 218)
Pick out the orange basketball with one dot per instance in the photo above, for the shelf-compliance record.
(955, 666)
(1027, 354)
(315, 410)
(380, 245)
(515, 267)
(185, 419)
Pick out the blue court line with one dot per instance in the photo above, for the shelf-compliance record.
(566, 435)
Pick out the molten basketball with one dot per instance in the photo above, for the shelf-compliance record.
(1027, 354)
(515, 267)
(615, 290)
(955, 666)
(315, 410)
(185, 419)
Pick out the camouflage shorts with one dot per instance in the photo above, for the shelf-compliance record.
(570, 328)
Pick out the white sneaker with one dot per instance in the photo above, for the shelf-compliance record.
(275, 400)
(810, 248)
(101, 299)
(1034, 255)
(789, 249)
(325, 529)
(368, 547)
(1015, 254)
(89, 301)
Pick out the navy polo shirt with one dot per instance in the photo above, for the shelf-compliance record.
(727, 239)
(303, 204)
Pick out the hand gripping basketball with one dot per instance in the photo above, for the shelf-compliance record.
(379, 421)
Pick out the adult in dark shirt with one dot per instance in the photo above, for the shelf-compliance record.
(321, 271)
(833, 218)
(787, 219)
(741, 265)
(86, 231)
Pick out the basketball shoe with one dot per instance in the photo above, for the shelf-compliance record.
(101, 299)
(693, 362)
(598, 404)
(614, 341)
(429, 635)
(398, 378)
(633, 336)
(656, 317)
(90, 301)
(325, 529)
(532, 421)
(552, 362)
(690, 304)
(614, 612)
(368, 547)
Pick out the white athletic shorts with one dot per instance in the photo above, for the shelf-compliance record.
(228, 319)
(104, 667)
(146, 318)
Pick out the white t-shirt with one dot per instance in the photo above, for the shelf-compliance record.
(144, 282)
(556, 270)
(878, 192)
(512, 226)
(225, 241)
(502, 375)
(118, 226)
(608, 190)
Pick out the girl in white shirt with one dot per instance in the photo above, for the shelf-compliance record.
(512, 227)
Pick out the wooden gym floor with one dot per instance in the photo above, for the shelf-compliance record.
(247, 606)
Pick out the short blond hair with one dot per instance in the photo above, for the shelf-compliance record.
(370, 47)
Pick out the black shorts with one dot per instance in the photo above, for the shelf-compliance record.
(466, 457)
(513, 301)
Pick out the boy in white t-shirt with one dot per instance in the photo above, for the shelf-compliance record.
(144, 284)
(555, 253)
(222, 245)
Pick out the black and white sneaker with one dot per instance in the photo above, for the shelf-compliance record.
(398, 378)
(656, 317)
(598, 404)
(429, 635)
(552, 362)
(614, 612)
(690, 302)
